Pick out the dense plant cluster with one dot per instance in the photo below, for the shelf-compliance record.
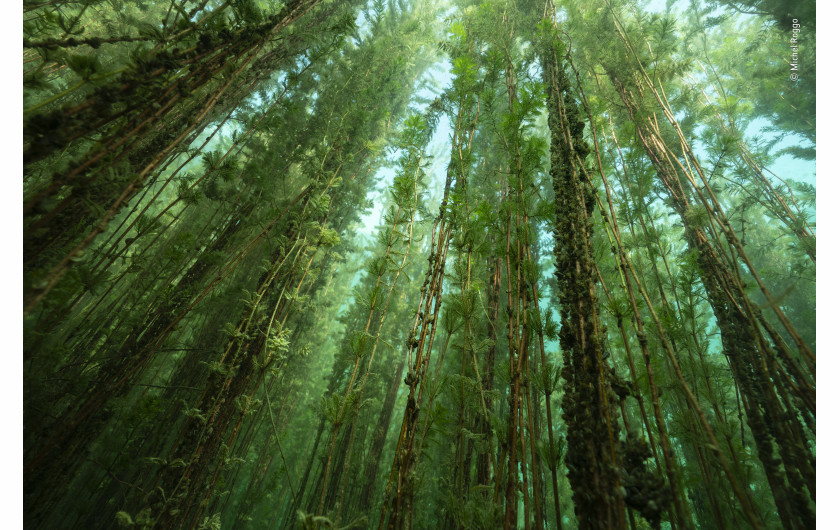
(393, 263)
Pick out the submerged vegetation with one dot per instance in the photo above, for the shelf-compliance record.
(419, 264)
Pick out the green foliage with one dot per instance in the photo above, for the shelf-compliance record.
(141, 520)
(198, 283)
(213, 522)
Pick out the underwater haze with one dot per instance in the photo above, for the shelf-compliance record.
(419, 264)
